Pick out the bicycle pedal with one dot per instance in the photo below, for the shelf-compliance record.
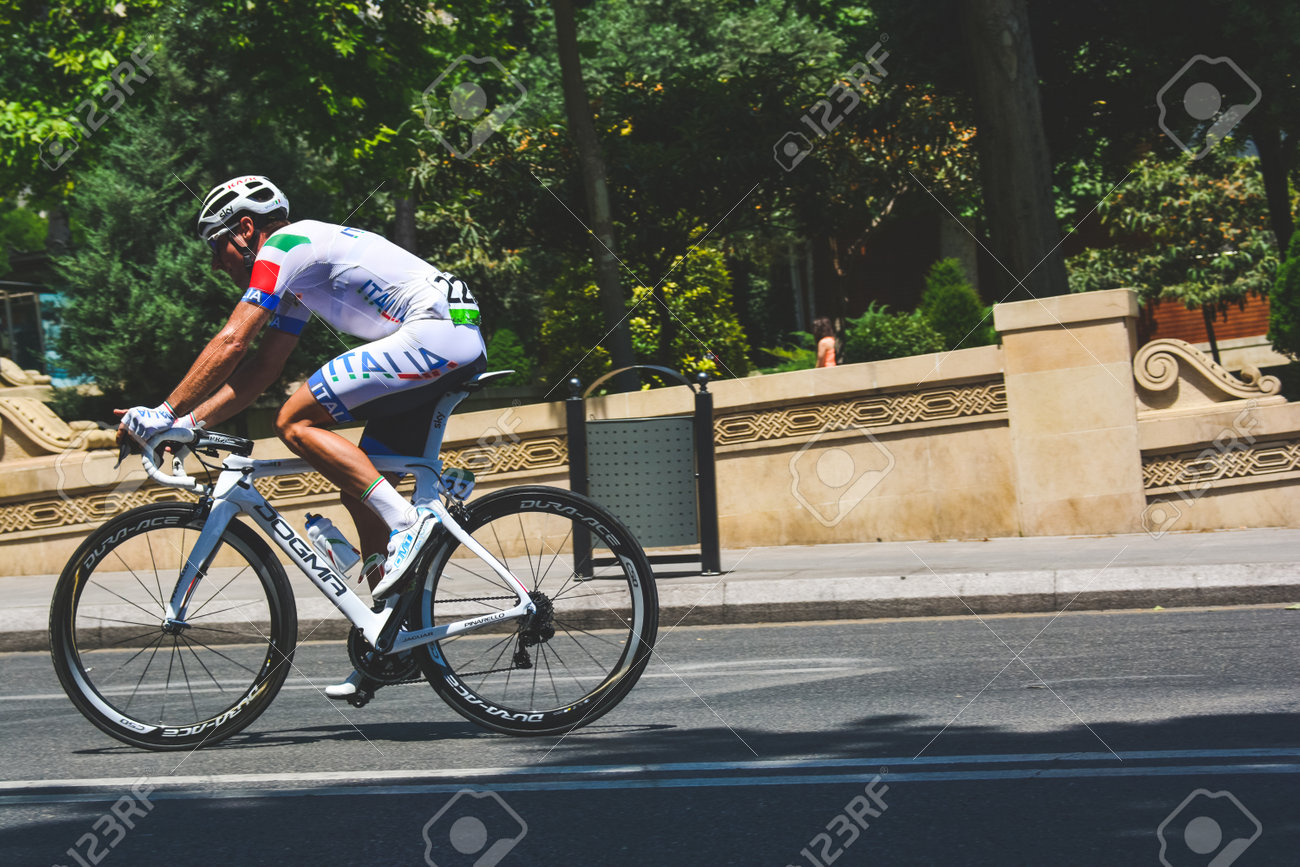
(361, 697)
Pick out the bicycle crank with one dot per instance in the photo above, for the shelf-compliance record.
(383, 669)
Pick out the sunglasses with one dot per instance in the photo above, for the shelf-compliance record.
(217, 241)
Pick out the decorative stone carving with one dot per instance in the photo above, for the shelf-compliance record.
(54, 512)
(13, 375)
(1173, 374)
(30, 428)
(878, 410)
(1214, 465)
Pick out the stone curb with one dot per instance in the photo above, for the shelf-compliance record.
(934, 595)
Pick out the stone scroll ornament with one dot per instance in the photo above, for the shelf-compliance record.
(1157, 367)
(42, 432)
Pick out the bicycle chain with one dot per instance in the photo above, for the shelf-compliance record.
(472, 674)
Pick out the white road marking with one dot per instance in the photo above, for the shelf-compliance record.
(901, 769)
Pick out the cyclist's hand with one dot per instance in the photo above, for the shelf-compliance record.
(144, 423)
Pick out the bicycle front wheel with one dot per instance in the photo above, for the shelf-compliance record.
(171, 686)
(593, 632)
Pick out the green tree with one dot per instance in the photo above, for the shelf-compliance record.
(141, 299)
(1196, 232)
(687, 324)
(953, 307)
(1284, 304)
(505, 352)
(22, 230)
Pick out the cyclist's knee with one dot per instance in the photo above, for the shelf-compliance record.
(291, 429)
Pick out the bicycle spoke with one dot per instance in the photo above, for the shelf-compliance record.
(223, 656)
(127, 622)
(555, 557)
(190, 688)
(491, 577)
(157, 579)
(161, 636)
(254, 634)
(190, 618)
(143, 673)
(567, 668)
(127, 601)
(147, 591)
(528, 557)
(550, 676)
(192, 614)
(606, 595)
(570, 629)
(206, 670)
(151, 631)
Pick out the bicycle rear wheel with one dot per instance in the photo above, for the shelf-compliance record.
(189, 685)
(592, 635)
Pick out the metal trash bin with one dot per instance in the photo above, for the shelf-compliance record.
(656, 474)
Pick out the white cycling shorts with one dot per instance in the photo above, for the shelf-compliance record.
(399, 378)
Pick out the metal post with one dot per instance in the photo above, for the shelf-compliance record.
(576, 423)
(40, 332)
(9, 325)
(706, 479)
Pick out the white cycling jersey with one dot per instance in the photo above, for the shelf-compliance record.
(357, 281)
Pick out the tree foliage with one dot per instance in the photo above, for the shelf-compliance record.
(1196, 232)
(1284, 307)
(953, 307)
(688, 100)
(687, 323)
(878, 334)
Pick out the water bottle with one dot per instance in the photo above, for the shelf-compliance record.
(332, 545)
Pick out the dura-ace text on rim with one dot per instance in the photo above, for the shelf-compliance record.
(171, 685)
(584, 647)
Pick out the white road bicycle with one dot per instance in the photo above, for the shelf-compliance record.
(174, 625)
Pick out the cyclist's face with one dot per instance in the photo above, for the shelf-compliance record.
(226, 255)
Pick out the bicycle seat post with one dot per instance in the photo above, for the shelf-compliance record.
(433, 445)
(438, 428)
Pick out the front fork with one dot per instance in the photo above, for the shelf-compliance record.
(216, 518)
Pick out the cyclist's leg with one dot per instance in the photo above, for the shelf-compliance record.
(372, 531)
(400, 425)
(384, 379)
(393, 383)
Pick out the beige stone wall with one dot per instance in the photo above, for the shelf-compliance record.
(1052, 433)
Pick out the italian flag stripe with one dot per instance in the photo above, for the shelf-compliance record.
(264, 276)
(281, 241)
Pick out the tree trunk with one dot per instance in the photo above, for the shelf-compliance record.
(608, 278)
(1014, 162)
(404, 228)
(1207, 313)
(1274, 164)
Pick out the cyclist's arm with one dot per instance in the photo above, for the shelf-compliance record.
(249, 380)
(219, 358)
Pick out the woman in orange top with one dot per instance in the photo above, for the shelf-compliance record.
(824, 332)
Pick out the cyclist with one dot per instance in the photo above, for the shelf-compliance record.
(422, 325)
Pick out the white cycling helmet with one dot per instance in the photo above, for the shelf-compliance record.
(251, 194)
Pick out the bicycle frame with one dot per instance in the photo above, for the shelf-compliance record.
(234, 494)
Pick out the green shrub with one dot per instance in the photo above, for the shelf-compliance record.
(799, 353)
(879, 334)
(1284, 303)
(953, 307)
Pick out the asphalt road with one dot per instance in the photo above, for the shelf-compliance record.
(1012, 740)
